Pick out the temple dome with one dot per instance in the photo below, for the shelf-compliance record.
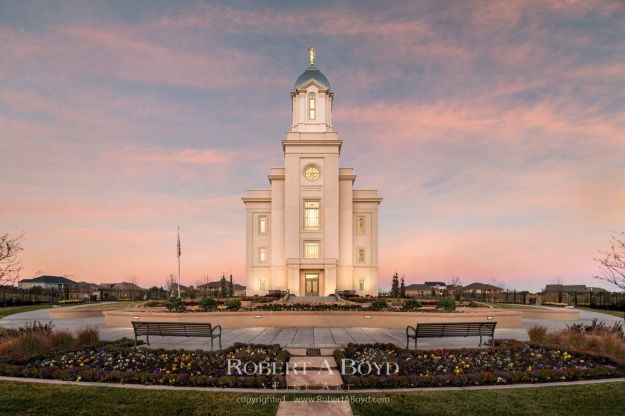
(312, 73)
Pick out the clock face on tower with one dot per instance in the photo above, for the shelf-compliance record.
(311, 173)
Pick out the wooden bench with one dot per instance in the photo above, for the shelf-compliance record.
(451, 329)
(176, 329)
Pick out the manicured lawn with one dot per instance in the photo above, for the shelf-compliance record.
(10, 310)
(618, 314)
(598, 399)
(36, 399)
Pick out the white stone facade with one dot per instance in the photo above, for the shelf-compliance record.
(311, 233)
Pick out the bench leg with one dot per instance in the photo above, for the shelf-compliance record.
(480, 340)
(220, 348)
(147, 338)
(135, 340)
(415, 342)
(211, 343)
(407, 341)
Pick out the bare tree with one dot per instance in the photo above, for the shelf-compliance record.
(455, 281)
(170, 284)
(612, 264)
(10, 264)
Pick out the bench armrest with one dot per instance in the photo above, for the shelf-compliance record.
(215, 328)
(408, 328)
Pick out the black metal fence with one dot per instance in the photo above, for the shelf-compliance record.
(598, 300)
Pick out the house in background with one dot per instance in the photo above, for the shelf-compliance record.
(420, 290)
(214, 288)
(573, 288)
(48, 282)
(481, 289)
(439, 286)
(122, 290)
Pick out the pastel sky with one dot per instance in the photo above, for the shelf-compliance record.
(494, 130)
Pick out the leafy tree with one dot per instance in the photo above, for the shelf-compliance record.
(231, 287)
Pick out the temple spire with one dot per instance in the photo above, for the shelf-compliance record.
(311, 55)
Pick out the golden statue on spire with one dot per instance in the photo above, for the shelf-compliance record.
(311, 55)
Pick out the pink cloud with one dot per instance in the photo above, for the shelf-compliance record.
(186, 156)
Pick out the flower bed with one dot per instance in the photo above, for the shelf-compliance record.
(509, 363)
(120, 363)
(556, 304)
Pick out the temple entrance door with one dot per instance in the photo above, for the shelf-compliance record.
(312, 284)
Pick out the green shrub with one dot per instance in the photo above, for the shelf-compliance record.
(233, 305)
(537, 334)
(88, 337)
(152, 303)
(176, 305)
(411, 304)
(30, 345)
(61, 340)
(446, 304)
(379, 304)
(207, 304)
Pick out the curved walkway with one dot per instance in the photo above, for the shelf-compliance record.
(293, 391)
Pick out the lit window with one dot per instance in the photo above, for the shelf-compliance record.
(262, 283)
(311, 249)
(262, 254)
(262, 224)
(361, 224)
(311, 216)
(311, 106)
(361, 284)
(361, 255)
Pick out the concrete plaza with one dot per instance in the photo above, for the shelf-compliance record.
(294, 337)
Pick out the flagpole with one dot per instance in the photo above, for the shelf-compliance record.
(179, 261)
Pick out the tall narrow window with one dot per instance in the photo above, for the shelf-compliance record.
(311, 215)
(361, 224)
(312, 103)
(361, 283)
(262, 255)
(262, 224)
(262, 283)
(361, 255)
(311, 249)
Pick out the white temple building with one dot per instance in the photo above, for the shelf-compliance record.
(312, 233)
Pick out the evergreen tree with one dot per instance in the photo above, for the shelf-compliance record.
(395, 286)
(402, 288)
(222, 282)
(231, 286)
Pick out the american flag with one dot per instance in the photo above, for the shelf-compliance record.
(179, 251)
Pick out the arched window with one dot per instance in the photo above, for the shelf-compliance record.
(312, 105)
